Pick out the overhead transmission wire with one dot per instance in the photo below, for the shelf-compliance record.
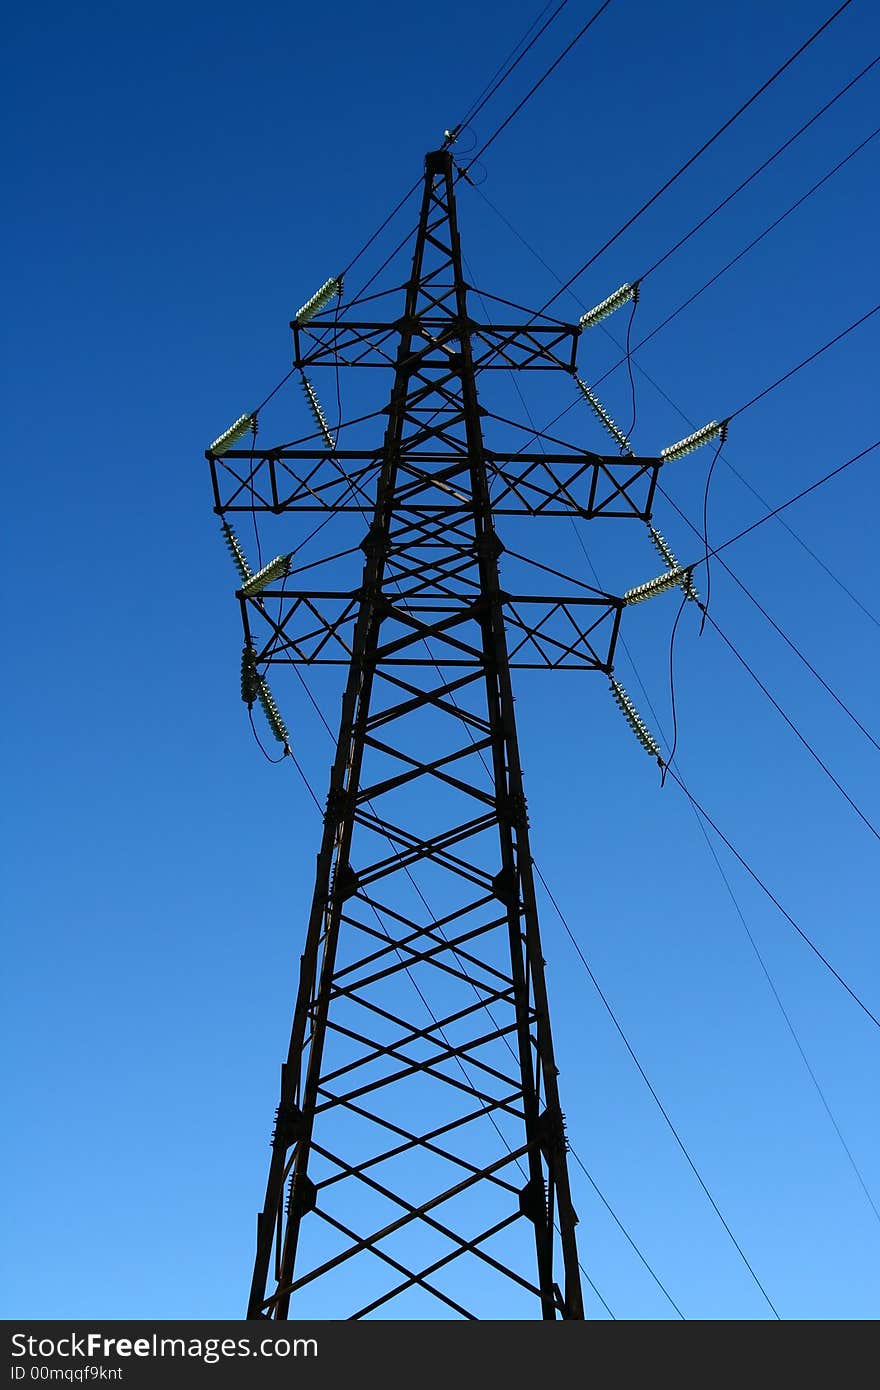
(765, 164)
(753, 874)
(750, 246)
(805, 362)
(783, 506)
(540, 82)
(781, 380)
(697, 813)
(504, 71)
(768, 893)
(498, 79)
(473, 111)
(774, 513)
(735, 901)
(628, 356)
(794, 728)
(658, 1102)
(718, 274)
(788, 1021)
(566, 285)
(763, 611)
(476, 107)
(707, 144)
(629, 359)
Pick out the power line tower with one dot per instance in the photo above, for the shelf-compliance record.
(418, 1163)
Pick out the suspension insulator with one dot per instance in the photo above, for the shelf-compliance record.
(607, 307)
(270, 709)
(317, 412)
(233, 434)
(235, 550)
(634, 720)
(250, 680)
(663, 548)
(605, 419)
(330, 289)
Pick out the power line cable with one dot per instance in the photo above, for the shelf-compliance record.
(498, 79)
(658, 723)
(734, 260)
(767, 616)
(775, 511)
(663, 1111)
(788, 1022)
(764, 889)
(779, 708)
(682, 169)
(794, 728)
(540, 82)
(838, 337)
(771, 159)
(492, 86)
(604, 1200)
(819, 351)
(771, 512)
(701, 809)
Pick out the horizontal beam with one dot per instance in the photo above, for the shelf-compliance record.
(495, 347)
(534, 484)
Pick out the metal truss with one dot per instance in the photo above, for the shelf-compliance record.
(532, 484)
(418, 1164)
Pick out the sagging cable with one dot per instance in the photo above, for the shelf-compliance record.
(614, 301)
(317, 412)
(234, 547)
(669, 579)
(254, 688)
(602, 415)
(635, 721)
(664, 550)
(279, 568)
(233, 434)
(330, 289)
(716, 429)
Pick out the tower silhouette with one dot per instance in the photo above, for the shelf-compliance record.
(418, 1163)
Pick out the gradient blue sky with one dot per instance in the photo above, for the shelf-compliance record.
(180, 178)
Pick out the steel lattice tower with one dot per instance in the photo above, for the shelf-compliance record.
(418, 1162)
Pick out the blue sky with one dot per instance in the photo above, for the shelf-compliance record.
(181, 178)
